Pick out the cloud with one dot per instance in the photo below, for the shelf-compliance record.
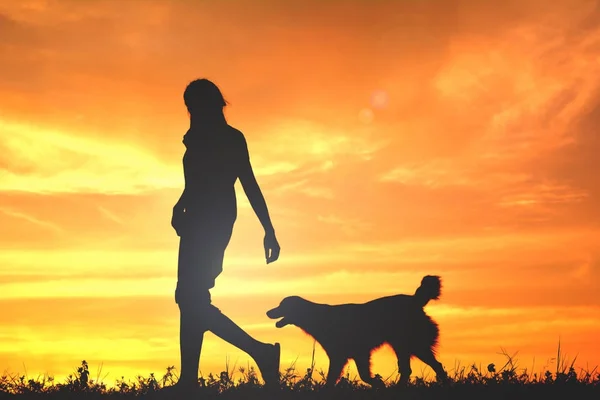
(82, 163)
(433, 174)
(31, 219)
(110, 215)
(502, 106)
(545, 194)
(348, 226)
(350, 270)
(42, 160)
(312, 147)
(507, 187)
(309, 140)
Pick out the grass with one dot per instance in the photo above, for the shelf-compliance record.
(473, 382)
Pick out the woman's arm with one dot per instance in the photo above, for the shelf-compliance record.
(258, 203)
(253, 192)
(181, 203)
(177, 217)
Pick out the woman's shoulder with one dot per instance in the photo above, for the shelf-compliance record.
(234, 131)
(236, 135)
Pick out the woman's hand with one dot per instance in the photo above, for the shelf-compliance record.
(272, 248)
(177, 220)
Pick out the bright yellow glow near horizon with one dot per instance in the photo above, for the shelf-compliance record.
(391, 139)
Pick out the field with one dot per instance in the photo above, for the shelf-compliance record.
(472, 382)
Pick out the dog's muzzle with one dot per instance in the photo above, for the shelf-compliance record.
(277, 313)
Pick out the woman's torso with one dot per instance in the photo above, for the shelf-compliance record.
(211, 164)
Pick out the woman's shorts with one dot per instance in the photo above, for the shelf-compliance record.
(200, 262)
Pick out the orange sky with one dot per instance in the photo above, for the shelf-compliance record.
(478, 165)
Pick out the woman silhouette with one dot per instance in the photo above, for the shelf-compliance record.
(216, 156)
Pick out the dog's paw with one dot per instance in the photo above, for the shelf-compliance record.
(442, 378)
(378, 383)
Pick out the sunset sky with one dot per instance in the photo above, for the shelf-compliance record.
(392, 139)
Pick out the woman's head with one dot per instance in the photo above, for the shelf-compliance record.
(204, 99)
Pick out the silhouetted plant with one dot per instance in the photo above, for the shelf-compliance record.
(464, 382)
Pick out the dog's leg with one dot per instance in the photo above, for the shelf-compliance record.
(336, 364)
(403, 365)
(363, 364)
(428, 358)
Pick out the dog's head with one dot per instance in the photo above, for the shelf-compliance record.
(287, 310)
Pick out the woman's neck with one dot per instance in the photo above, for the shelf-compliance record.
(200, 121)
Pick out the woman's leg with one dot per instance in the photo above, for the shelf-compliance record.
(190, 341)
(192, 324)
(201, 260)
(265, 355)
(191, 335)
(226, 329)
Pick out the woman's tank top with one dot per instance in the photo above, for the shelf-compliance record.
(212, 163)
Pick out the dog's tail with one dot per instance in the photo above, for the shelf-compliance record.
(430, 289)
